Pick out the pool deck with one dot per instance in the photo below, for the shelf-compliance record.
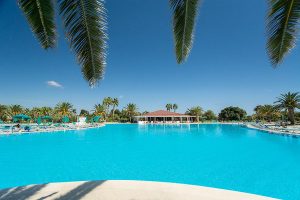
(123, 190)
(286, 132)
(98, 125)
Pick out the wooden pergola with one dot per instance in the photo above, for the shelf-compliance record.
(164, 116)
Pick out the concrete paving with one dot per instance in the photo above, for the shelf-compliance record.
(122, 190)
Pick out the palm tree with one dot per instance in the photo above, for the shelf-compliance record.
(289, 101)
(107, 102)
(64, 109)
(74, 111)
(46, 111)
(283, 20)
(115, 103)
(35, 112)
(131, 110)
(175, 107)
(84, 113)
(85, 26)
(15, 109)
(257, 108)
(282, 28)
(145, 112)
(195, 111)
(3, 111)
(184, 18)
(267, 112)
(169, 106)
(26, 111)
(99, 109)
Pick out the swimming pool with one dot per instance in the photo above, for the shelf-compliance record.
(214, 155)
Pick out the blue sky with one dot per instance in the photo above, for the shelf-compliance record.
(228, 64)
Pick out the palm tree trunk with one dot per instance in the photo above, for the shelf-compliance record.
(113, 113)
(106, 109)
(291, 115)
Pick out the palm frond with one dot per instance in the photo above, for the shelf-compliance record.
(282, 28)
(40, 16)
(85, 24)
(184, 18)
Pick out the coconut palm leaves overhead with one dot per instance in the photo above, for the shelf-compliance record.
(85, 23)
(85, 27)
(184, 18)
(282, 28)
(40, 16)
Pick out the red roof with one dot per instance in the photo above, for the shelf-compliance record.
(164, 113)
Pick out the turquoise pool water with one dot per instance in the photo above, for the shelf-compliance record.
(222, 156)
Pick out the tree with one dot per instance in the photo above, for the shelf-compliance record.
(145, 112)
(124, 116)
(184, 18)
(289, 101)
(115, 103)
(257, 108)
(14, 110)
(249, 118)
(46, 111)
(175, 107)
(107, 102)
(195, 111)
(3, 111)
(282, 28)
(64, 109)
(131, 110)
(74, 111)
(297, 116)
(117, 115)
(232, 114)
(99, 110)
(26, 111)
(35, 112)
(267, 112)
(85, 26)
(169, 106)
(84, 113)
(209, 115)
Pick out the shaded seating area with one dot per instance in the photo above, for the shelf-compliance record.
(23, 123)
(96, 119)
(163, 116)
(44, 119)
(65, 119)
(20, 117)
